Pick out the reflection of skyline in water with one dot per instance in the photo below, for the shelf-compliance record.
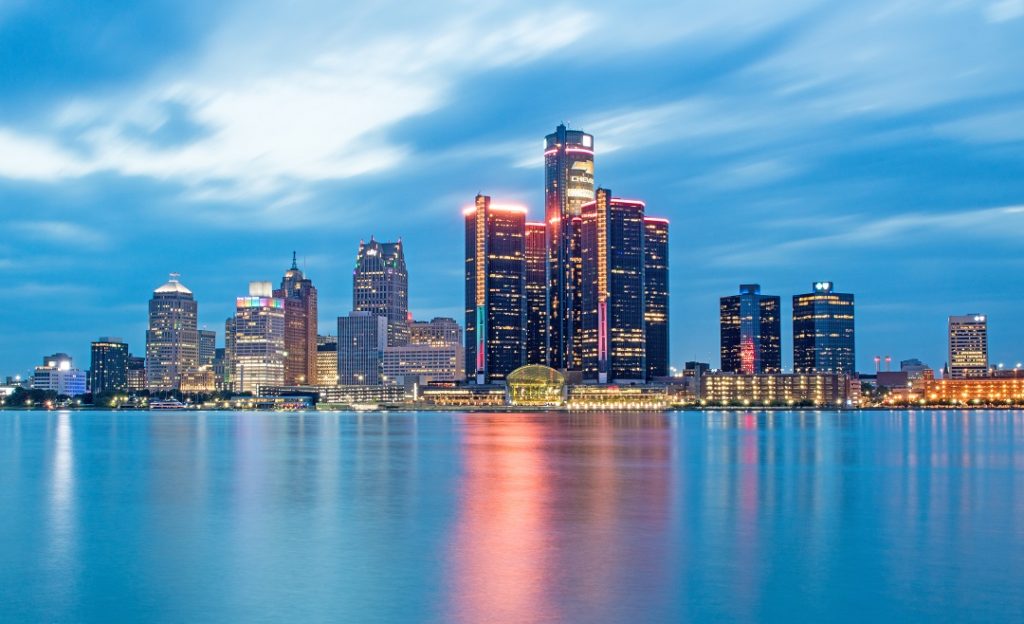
(513, 517)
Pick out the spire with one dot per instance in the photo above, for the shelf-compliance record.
(295, 266)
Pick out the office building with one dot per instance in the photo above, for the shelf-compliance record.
(108, 366)
(536, 293)
(257, 340)
(300, 326)
(823, 331)
(221, 369)
(327, 364)
(434, 354)
(380, 286)
(656, 296)
(806, 389)
(750, 332)
(968, 346)
(495, 289)
(172, 339)
(362, 337)
(58, 374)
(207, 346)
(437, 331)
(568, 185)
(612, 341)
(136, 373)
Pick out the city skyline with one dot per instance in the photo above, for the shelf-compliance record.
(906, 191)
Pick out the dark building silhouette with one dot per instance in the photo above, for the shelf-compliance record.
(750, 332)
(656, 296)
(108, 367)
(536, 294)
(823, 331)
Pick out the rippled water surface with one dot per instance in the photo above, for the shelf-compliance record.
(405, 517)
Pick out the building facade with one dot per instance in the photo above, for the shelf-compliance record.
(812, 389)
(495, 289)
(751, 332)
(380, 286)
(300, 326)
(136, 373)
(58, 374)
(823, 331)
(207, 346)
(434, 354)
(968, 346)
(437, 331)
(257, 344)
(611, 340)
(327, 364)
(362, 337)
(656, 326)
(172, 339)
(536, 294)
(108, 366)
(568, 185)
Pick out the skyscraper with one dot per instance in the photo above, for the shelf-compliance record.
(172, 340)
(207, 346)
(656, 296)
(750, 332)
(108, 368)
(380, 286)
(568, 184)
(495, 289)
(968, 346)
(612, 339)
(257, 345)
(362, 337)
(823, 331)
(300, 326)
(536, 294)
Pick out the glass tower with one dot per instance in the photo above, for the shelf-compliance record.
(536, 294)
(257, 344)
(568, 184)
(823, 336)
(108, 368)
(750, 332)
(172, 339)
(380, 286)
(612, 341)
(656, 296)
(495, 289)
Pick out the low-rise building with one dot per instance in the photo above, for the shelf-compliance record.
(59, 375)
(816, 389)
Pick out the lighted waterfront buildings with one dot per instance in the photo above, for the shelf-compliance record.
(656, 296)
(612, 342)
(108, 366)
(434, 354)
(380, 286)
(750, 332)
(813, 389)
(968, 346)
(207, 346)
(536, 294)
(300, 326)
(362, 337)
(823, 331)
(257, 341)
(58, 374)
(495, 289)
(172, 339)
(327, 364)
(437, 331)
(136, 373)
(568, 185)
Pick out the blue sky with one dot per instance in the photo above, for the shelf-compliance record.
(876, 144)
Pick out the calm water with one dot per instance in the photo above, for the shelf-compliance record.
(248, 517)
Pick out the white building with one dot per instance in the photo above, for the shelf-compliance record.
(58, 374)
(257, 343)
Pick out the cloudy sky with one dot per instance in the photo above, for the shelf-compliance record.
(879, 144)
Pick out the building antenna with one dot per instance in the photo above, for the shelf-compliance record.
(295, 266)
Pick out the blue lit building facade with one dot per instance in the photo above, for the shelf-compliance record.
(750, 332)
(823, 331)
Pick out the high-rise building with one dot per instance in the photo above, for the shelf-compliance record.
(221, 369)
(300, 326)
(380, 286)
(59, 375)
(656, 296)
(257, 343)
(568, 184)
(229, 353)
(968, 346)
(207, 346)
(823, 332)
(750, 332)
(136, 373)
(612, 249)
(327, 364)
(362, 337)
(536, 294)
(108, 367)
(172, 340)
(495, 289)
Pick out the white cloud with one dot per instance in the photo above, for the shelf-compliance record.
(61, 233)
(1005, 10)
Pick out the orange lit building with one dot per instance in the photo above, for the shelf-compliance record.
(991, 390)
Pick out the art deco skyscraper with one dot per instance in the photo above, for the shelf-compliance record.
(968, 346)
(568, 184)
(258, 342)
(495, 289)
(750, 332)
(172, 339)
(536, 294)
(300, 326)
(380, 286)
(656, 296)
(612, 249)
(823, 331)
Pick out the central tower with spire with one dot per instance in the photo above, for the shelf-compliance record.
(300, 326)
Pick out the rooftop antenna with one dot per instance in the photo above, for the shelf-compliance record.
(295, 266)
